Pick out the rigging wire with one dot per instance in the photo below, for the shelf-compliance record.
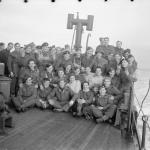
(144, 98)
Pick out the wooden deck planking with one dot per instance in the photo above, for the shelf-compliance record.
(38, 130)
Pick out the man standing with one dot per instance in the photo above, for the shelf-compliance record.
(4, 57)
(14, 68)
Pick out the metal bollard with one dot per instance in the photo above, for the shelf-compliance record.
(145, 119)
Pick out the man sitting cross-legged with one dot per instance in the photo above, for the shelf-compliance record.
(62, 97)
(27, 95)
(104, 107)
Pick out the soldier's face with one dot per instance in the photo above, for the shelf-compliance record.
(99, 55)
(72, 79)
(17, 47)
(49, 69)
(106, 41)
(45, 48)
(95, 89)
(68, 68)
(10, 46)
(85, 86)
(102, 91)
(88, 70)
(124, 64)
(67, 56)
(46, 84)
(119, 44)
(29, 81)
(32, 65)
(77, 71)
(62, 84)
(130, 60)
(112, 73)
(98, 71)
(28, 49)
(60, 73)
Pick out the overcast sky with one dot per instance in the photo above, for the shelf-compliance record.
(41, 20)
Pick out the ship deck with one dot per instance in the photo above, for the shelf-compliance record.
(46, 130)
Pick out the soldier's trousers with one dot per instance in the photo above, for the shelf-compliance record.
(19, 103)
(14, 86)
(59, 105)
(109, 112)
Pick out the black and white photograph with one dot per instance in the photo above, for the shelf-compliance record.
(74, 75)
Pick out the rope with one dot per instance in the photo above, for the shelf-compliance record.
(144, 98)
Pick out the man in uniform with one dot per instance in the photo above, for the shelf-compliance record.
(61, 97)
(4, 57)
(14, 68)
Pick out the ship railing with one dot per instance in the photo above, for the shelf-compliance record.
(132, 128)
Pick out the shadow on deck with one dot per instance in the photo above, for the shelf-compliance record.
(38, 130)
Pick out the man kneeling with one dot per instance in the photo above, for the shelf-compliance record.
(62, 97)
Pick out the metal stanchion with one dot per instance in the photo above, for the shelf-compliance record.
(145, 119)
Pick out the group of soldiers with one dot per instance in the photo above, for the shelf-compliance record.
(95, 85)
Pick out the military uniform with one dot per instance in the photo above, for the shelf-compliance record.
(34, 74)
(98, 63)
(4, 54)
(103, 106)
(27, 57)
(84, 99)
(27, 97)
(60, 98)
(14, 66)
(43, 95)
(86, 61)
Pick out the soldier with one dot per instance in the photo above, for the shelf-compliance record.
(76, 59)
(60, 76)
(107, 48)
(78, 74)
(27, 95)
(112, 90)
(64, 61)
(29, 54)
(43, 93)
(14, 68)
(62, 97)
(97, 79)
(88, 76)
(118, 49)
(115, 78)
(47, 73)
(31, 71)
(43, 56)
(4, 54)
(74, 85)
(98, 61)
(5, 115)
(103, 108)
(126, 53)
(100, 48)
(84, 99)
(87, 59)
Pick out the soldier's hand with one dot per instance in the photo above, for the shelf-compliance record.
(21, 85)
(112, 98)
(71, 103)
(11, 74)
(41, 87)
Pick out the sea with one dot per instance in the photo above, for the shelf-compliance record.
(140, 90)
